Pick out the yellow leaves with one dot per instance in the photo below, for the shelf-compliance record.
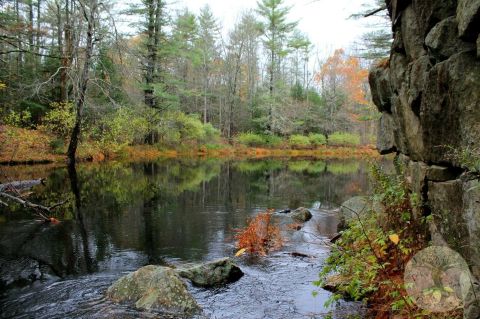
(394, 238)
(448, 289)
(437, 295)
(240, 252)
(3, 86)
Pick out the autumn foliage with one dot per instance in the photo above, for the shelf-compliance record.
(261, 235)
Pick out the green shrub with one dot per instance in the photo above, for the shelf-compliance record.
(273, 140)
(58, 146)
(343, 139)
(174, 127)
(250, 139)
(18, 119)
(299, 141)
(60, 119)
(121, 128)
(317, 139)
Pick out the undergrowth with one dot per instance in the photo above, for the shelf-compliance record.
(369, 259)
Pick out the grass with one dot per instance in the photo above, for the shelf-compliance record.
(343, 139)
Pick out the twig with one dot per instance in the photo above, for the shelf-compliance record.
(371, 13)
(363, 230)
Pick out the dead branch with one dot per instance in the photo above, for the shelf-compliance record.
(371, 13)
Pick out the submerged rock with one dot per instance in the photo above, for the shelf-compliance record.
(211, 274)
(349, 210)
(154, 288)
(18, 272)
(301, 215)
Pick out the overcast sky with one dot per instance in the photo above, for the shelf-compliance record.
(326, 22)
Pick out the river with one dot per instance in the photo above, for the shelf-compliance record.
(123, 216)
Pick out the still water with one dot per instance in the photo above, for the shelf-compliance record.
(120, 217)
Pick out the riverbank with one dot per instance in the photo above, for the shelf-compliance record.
(22, 146)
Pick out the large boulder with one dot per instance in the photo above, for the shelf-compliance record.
(443, 40)
(154, 288)
(379, 79)
(386, 138)
(418, 72)
(18, 272)
(301, 215)
(353, 208)
(409, 136)
(468, 17)
(450, 109)
(411, 34)
(212, 274)
(429, 12)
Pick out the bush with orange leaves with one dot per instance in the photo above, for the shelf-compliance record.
(260, 237)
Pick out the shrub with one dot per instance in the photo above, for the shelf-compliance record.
(121, 128)
(317, 139)
(273, 140)
(18, 119)
(60, 119)
(250, 139)
(343, 139)
(261, 235)
(371, 253)
(58, 146)
(299, 141)
(173, 127)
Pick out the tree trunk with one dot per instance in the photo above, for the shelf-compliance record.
(151, 55)
(72, 148)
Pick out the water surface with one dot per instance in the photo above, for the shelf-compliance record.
(123, 216)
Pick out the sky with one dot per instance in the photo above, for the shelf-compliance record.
(326, 22)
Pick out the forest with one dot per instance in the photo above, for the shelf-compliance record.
(161, 159)
(106, 75)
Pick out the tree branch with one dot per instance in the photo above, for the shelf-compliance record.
(371, 13)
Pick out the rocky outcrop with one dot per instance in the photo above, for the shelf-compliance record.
(429, 95)
(212, 274)
(154, 288)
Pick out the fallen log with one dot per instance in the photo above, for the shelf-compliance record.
(21, 185)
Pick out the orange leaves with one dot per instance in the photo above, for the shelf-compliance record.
(260, 236)
(346, 73)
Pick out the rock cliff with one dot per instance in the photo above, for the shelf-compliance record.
(429, 95)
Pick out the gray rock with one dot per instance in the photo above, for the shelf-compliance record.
(409, 135)
(468, 17)
(418, 71)
(478, 46)
(437, 173)
(301, 215)
(429, 12)
(18, 272)
(215, 273)
(472, 302)
(398, 71)
(154, 288)
(379, 79)
(443, 40)
(352, 209)
(450, 108)
(412, 34)
(386, 138)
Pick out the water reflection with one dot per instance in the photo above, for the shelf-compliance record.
(122, 216)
